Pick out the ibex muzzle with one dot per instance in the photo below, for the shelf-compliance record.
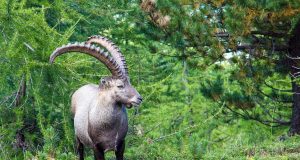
(100, 117)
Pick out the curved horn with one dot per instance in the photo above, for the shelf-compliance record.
(112, 48)
(91, 50)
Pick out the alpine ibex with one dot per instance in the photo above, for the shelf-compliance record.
(100, 117)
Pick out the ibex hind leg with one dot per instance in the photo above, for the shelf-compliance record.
(120, 150)
(79, 149)
(99, 152)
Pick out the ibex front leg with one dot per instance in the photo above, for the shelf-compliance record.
(120, 150)
(99, 152)
(80, 149)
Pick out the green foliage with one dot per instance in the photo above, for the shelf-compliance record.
(197, 103)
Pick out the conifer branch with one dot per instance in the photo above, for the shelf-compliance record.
(190, 127)
(272, 98)
(282, 90)
(265, 122)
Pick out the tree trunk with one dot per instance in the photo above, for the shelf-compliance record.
(295, 119)
(294, 51)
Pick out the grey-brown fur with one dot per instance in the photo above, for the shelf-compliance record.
(100, 117)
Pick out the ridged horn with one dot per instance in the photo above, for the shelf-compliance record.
(91, 50)
(112, 48)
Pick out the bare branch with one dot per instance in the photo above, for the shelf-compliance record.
(21, 91)
(222, 34)
(294, 58)
(295, 67)
(270, 33)
(264, 33)
(28, 46)
(295, 76)
(258, 41)
(274, 47)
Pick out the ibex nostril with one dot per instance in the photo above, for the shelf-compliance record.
(140, 98)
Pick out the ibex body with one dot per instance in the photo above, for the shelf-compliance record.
(100, 117)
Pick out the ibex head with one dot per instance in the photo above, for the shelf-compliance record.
(121, 90)
(118, 85)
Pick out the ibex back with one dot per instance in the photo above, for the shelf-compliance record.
(100, 117)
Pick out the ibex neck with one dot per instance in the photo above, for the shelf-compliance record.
(106, 99)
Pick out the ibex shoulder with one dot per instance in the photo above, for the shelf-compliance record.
(83, 96)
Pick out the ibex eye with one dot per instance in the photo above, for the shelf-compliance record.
(121, 86)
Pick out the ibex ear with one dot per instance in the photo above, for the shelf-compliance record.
(104, 82)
